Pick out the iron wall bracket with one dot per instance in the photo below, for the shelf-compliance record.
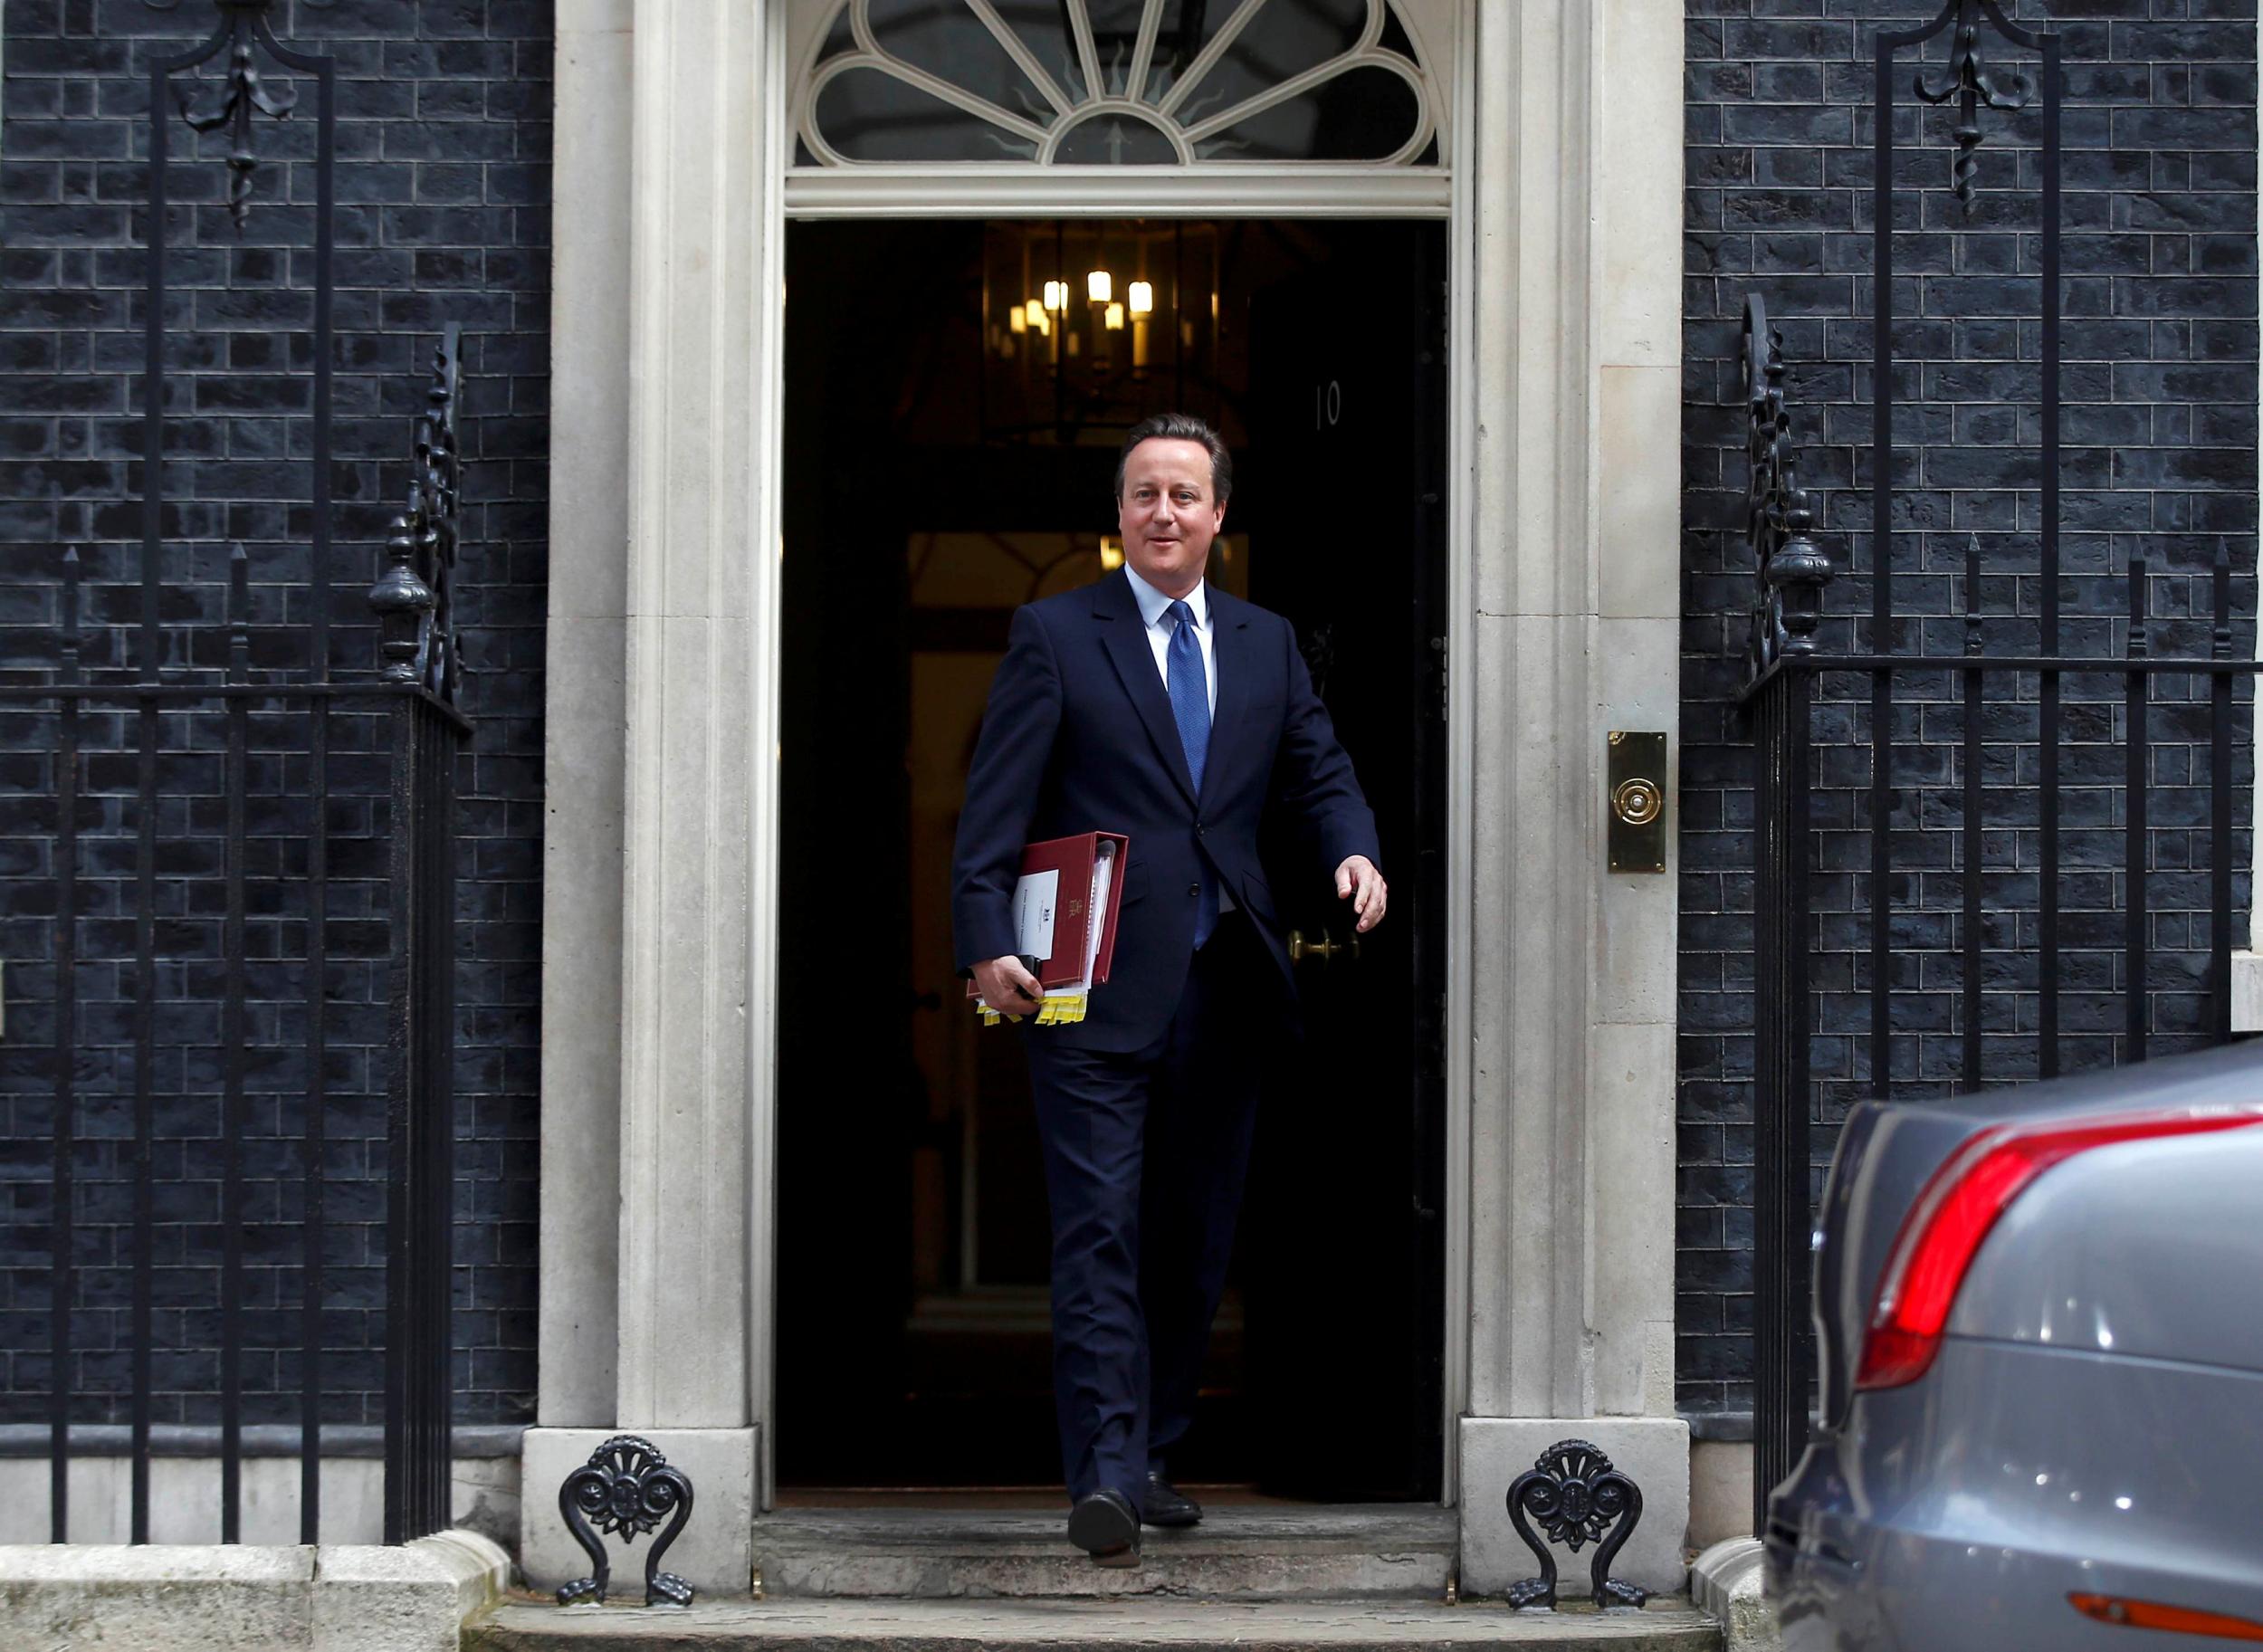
(1578, 1498)
(626, 1487)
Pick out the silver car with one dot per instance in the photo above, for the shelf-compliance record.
(2040, 1314)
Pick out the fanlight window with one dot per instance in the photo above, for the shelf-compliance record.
(1130, 83)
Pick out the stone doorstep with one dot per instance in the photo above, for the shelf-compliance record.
(1238, 1552)
(1129, 1626)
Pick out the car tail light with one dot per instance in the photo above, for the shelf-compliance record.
(2172, 1620)
(1961, 1204)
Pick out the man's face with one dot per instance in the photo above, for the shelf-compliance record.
(1168, 513)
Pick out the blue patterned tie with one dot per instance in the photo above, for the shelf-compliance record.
(1190, 709)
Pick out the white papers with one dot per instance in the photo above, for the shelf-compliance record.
(1036, 897)
(1103, 864)
(1067, 1003)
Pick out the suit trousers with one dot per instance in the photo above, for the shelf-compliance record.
(1145, 1157)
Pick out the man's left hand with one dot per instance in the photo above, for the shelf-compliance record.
(1358, 881)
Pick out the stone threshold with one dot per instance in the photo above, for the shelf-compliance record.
(1134, 1625)
(1261, 1551)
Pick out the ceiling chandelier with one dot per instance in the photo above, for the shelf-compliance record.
(1090, 327)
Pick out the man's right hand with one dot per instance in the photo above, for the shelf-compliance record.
(1008, 987)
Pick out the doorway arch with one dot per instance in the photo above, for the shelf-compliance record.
(1166, 83)
(1280, 108)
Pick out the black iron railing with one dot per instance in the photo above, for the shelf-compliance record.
(1970, 970)
(414, 731)
(1780, 517)
(331, 802)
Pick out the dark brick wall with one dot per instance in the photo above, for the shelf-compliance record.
(443, 141)
(443, 192)
(2160, 381)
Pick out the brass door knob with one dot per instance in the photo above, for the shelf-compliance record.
(1323, 948)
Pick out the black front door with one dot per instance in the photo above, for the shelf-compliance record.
(1344, 1258)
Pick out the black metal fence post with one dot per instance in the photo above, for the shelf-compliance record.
(322, 578)
(2219, 700)
(234, 1123)
(1783, 1362)
(420, 1129)
(1790, 574)
(413, 601)
(64, 1289)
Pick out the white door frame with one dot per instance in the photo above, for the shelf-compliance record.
(1204, 190)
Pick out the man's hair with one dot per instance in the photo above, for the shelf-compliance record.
(1180, 428)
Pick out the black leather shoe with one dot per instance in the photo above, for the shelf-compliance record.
(1105, 1526)
(1166, 1505)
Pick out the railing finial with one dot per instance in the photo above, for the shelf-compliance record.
(239, 93)
(1790, 569)
(414, 596)
(1974, 89)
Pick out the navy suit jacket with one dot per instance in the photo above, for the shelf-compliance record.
(1078, 737)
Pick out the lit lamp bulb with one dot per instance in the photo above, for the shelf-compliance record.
(1110, 553)
(1100, 286)
(1017, 318)
(1142, 294)
(1114, 317)
(1056, 294)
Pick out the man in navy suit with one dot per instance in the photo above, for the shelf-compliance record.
(1153, 705)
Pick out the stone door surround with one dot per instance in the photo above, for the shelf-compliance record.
(659, 854)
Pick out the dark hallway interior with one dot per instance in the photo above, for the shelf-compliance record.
(957, 395)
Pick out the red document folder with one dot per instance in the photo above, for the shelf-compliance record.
(1055, 893)
(1073, 860)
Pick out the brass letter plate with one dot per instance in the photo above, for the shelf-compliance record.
(1636, 772)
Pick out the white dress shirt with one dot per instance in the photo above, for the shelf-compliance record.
(1155, 609)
